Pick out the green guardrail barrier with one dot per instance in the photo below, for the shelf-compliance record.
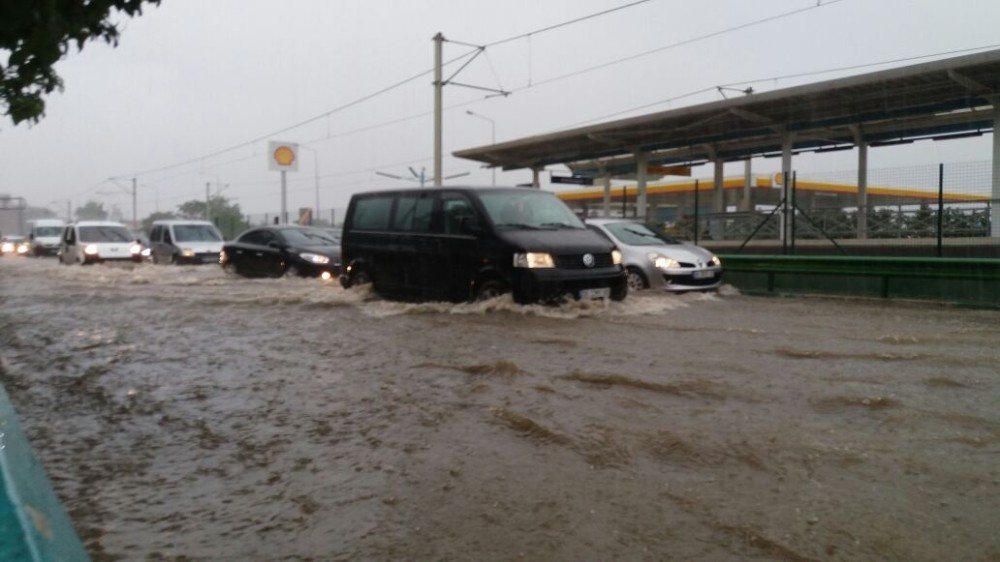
(33, 525)
(968, 281)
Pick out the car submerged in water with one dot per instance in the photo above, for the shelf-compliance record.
(659, 262)
(274, 251)
(474, 243)
(88, 242)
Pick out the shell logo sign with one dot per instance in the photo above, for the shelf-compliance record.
(283, 156)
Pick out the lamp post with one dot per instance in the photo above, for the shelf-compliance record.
(493, 136)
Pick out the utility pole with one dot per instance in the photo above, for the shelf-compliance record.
(438, 86)
(135, 214)
(284, 199)
(493, 137)
(208, 195)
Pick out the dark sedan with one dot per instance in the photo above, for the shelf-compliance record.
(274, 251)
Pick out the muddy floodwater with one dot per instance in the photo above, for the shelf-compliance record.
(186, 415)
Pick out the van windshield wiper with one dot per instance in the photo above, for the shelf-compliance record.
(560, 225)
(518, 225)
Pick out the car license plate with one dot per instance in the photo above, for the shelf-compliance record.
(601, 293)
(703, 274)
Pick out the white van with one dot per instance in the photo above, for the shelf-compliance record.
(43, 236)
(97, 241)
(184, 241)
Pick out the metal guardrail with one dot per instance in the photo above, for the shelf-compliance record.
(958, 280)
(33, 525)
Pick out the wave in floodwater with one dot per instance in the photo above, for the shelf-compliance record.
(210, 286)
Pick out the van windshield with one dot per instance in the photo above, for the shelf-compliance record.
(104, 234)
(195, 233)
(48, 231)
(635, 234)
(528, 209)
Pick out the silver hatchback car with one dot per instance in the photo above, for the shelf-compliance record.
(656, 261)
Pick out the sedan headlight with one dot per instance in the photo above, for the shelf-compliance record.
(616, 257)
(715, 261)
(187, 252)
(22, 248)
(533, 260)
(662, 262)
(90, 250)
(314, 258)
(7, 247)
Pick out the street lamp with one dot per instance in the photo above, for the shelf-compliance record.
(493, 136)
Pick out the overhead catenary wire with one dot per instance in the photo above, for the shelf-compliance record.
(362, 99)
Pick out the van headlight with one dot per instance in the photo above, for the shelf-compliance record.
(715, 261)
(314, 258)
(662, 262)
(533, 260)
(187, 252)
(616, 257)
(136, 249)
(90, 250)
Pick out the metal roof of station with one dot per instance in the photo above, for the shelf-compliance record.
(940, 99)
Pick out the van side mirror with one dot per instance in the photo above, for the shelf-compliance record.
(469, 225)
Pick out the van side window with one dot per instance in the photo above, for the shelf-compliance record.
(372, 213)
(70, 238)
(453, 209)
(166, 235)
(154, 235)
(413, 213)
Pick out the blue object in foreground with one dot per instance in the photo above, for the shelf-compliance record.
(33, 525)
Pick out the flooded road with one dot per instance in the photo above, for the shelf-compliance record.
(186, 415)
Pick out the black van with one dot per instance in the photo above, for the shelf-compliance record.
(463, 244)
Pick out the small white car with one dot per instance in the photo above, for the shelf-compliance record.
(88, 242)
(656, 261)
(184, 242)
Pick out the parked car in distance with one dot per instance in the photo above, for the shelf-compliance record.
(464, 243)
(87, 242)
(184, 242)
(655, 261)
(273, 251)
(43, 236)
(14, 245)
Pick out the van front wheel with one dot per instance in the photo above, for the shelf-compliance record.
(490, 289)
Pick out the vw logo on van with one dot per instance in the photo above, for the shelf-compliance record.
(588, 260)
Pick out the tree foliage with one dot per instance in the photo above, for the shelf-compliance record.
(36, 34)
(147, 223)
(91, 211)
(227, 216)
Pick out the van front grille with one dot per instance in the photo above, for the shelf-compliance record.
(575, 261)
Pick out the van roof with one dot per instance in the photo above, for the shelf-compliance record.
(183, 221)
(46, 222)
(98, 223)
(463, 189)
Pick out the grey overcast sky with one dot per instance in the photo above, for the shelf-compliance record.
(192, 77)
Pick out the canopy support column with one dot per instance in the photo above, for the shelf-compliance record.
(640, 173)
(995, 197)
(745, 203)
(786, 184)
(606, 182)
